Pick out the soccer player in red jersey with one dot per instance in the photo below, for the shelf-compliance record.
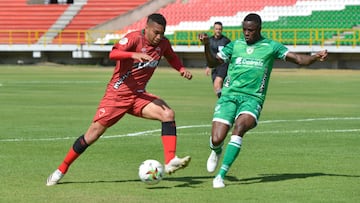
(137, 55)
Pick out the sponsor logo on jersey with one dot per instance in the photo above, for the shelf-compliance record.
(249, 61)
(147, 64)
(139, 65)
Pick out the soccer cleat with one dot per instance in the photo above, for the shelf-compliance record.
(212, 161)
(218, 182)
(177, 163)
(54, 178)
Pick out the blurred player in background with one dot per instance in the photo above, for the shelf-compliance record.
(137, 56)
(243, 94)
(218, 72)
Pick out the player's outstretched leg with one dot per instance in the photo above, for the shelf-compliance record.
(177, 163)
(78, 148)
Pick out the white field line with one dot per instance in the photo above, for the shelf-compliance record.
(150, 132)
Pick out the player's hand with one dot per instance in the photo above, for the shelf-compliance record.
(186, 74)
(141, 57)
(207, 71)
(204, 38)
(322, 55)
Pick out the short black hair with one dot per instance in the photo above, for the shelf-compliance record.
(157, 18)
(218, 23)
(253, 17)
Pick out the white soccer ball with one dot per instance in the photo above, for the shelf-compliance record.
(151, 171)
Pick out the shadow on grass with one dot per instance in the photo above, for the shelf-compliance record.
(189, 181)
(193, 181)
(285, 176)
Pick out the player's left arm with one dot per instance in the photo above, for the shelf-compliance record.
(303, 59)
(175, 62)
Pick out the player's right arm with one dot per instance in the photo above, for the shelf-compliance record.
(210, 59)
(125, 49)
(118, 54)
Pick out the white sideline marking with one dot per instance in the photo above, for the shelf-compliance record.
(201, 126)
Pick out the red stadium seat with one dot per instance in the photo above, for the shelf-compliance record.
(96, 12)
(22, 23)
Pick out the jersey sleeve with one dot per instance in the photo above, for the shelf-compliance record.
(172, 57)
(124, 48)
(227, 40)
(226, 52)
(280, 50)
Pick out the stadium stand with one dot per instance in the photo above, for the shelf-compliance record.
(194, 14)
(24, 24)
(93, 13)
(39, 32)
(71, 20)
(290, 22)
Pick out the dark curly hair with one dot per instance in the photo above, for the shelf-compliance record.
(253, 17)
(157, 18)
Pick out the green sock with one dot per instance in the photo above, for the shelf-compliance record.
(231, 153)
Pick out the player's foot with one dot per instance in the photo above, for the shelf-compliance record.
(218, 182)
(212, 161)
(54, 178)
(177, 163)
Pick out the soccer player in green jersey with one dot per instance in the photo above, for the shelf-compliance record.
(251, 61)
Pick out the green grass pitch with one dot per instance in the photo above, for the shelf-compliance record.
(306, 147)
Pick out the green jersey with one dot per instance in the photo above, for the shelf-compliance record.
(250, 67)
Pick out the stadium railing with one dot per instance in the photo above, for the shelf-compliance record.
(320, 36)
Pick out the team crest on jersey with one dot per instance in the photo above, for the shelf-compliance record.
(143, 50)
(249, 50)
(123, 41)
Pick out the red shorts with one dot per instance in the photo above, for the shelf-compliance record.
(113, 107)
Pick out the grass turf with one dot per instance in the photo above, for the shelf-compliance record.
(305, 148)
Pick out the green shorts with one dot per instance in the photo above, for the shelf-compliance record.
(228, 108)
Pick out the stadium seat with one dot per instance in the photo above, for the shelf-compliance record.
(94, 13)
(21, 23)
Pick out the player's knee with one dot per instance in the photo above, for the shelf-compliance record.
(216, 140)
(168, 115)
(240, 129)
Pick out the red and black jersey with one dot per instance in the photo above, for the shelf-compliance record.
(131, 76)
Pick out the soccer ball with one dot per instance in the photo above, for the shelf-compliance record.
(151, 171)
